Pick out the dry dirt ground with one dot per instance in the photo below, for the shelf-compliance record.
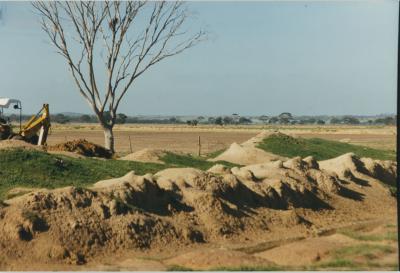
(185, 138)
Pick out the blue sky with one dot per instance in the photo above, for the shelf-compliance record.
(327, 57)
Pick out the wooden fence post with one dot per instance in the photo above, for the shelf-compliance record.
(199, 146)
(130, 143)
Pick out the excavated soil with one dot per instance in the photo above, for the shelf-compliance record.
(81, 147)
(345, 166)
(146, 155)
(183, 207)
(252, 142)
(246, 154)
(20, 144)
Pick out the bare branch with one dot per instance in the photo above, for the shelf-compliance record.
(135, 34)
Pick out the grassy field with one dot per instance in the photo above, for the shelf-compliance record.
(320, 149)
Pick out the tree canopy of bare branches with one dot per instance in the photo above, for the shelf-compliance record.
(135, 36)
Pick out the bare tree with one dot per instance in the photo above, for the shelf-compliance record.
(135, 35)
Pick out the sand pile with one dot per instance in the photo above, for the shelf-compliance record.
(146, 155)
(351, 166)
(343, 165)
(13, 143)
(219, 169)
(82, 147)
(245, 155)
(257, 139)
(384, 170)
(181, 206)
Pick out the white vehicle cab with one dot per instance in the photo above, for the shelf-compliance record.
(6, 103)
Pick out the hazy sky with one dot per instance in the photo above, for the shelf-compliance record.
(262, 58)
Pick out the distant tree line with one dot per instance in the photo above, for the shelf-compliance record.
(284, 118)
(352, 120)
(386, 120)
(287, 118)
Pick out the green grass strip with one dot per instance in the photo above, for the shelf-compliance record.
(320, 149)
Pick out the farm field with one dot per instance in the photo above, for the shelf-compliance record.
(213, 138)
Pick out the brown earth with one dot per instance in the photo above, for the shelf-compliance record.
(81, 147)
(159, 139)
(76, 148)
(246, 154)
(145, 155)
(206, 259)
(13, 143)
(181, 213)
(307, 251)
(185, 139)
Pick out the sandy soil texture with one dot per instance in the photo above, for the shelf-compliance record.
(184, 217)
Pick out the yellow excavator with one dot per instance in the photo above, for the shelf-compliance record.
(35, 131)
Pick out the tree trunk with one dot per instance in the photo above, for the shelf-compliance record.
(109, 138)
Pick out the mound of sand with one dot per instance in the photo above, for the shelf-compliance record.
(350, 166)
(245, 155)
(343, 165)
(13, 143)
(181, 206)
(252, 142)
(289, 174)
(384, 170)
(82, 147)
(145, 155)
(219, 169)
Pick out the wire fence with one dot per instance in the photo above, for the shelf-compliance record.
(130, 143)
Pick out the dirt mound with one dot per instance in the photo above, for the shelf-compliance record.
(343, 164)
(181, 206)
(82, 147)
(179, 175)
(385, 171)
(219, 169)
(351, 166)
(13, 143)
(252, 142)
(146, 155)
(245, 155)
(302, 176)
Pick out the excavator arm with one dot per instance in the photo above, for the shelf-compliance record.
(37, 124)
